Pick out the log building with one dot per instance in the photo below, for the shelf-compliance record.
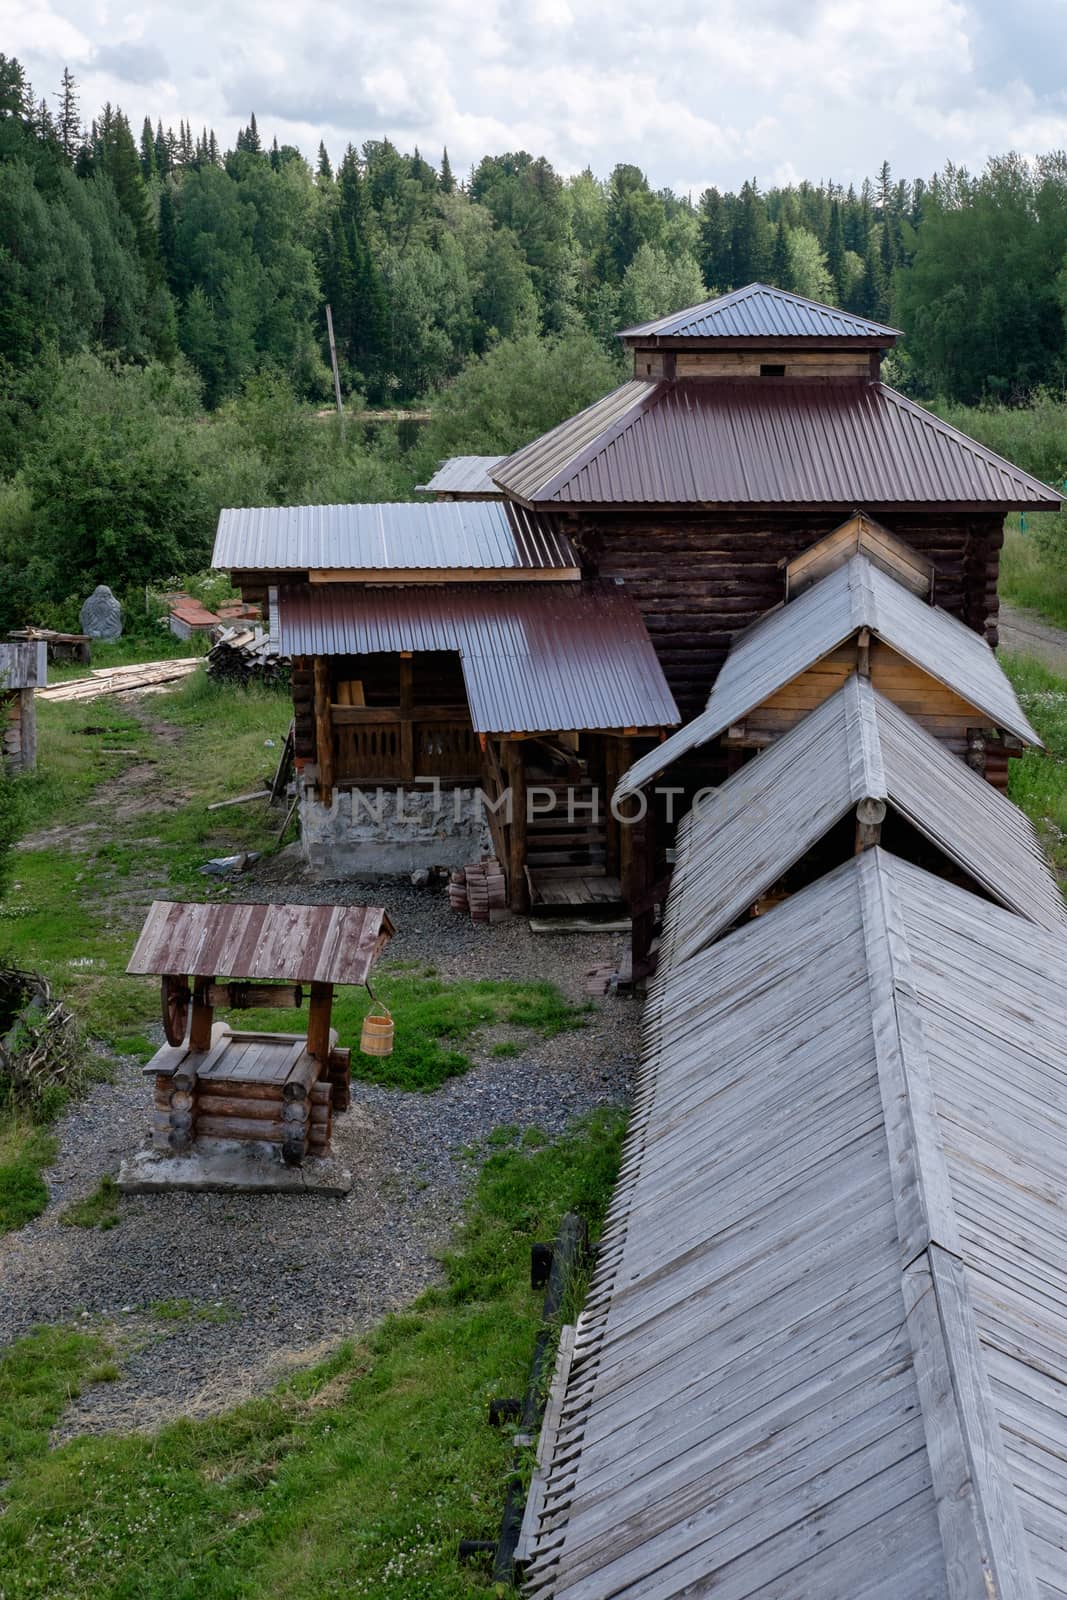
(553, 609)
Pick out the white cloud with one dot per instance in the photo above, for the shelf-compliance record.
(694, 93)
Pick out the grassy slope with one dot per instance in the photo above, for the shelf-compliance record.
(356, 1479)
(1032, 577)
(1038, 780)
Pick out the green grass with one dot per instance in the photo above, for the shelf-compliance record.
(356, 1479)
(1032, 576)
(24, 1150)
(97, 1210)
(1038, 779)
(435, 1022)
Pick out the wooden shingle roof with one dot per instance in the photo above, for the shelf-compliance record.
(794, 637)
(824, 1350)
(857, 745)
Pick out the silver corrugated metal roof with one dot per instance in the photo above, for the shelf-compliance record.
(760, 312)
(857, 745)
(472, 535)
(464, 475)
(768, 442)
(536, 658)
(793, 637)
(823, 1352)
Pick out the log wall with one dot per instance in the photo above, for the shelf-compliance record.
(699, 580)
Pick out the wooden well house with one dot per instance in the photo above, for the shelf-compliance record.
(214, 1082)
(452, 669)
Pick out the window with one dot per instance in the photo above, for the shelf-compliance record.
(772, 369)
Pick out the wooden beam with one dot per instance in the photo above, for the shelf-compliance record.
(870, 814)
(515, 777)
(202, 1018)
(323, 728)
(319, 1008)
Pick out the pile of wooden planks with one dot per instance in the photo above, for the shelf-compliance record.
(251, 1087)
(118, 680)
(241, 655)
(480, 889)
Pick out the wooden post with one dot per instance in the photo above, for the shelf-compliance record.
(407, 732)
(870, 814)
(203, 1016)
(319, 1009)
(612, 772)
(336, 374)
(625, 826)
(515, 775)
(323, 728)
(863, 653)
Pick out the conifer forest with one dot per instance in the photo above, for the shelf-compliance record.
(163, 338)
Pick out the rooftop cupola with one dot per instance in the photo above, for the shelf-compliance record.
(759, 332)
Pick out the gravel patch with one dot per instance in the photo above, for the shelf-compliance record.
(274, 1281)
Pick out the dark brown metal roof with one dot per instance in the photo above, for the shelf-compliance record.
(767, 442)
(297, 944)
(536, 658)
(475, 535)
(759, 312)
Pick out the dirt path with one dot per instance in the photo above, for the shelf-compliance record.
(1026, 633)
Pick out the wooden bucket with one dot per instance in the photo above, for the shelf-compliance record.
(376, 1038)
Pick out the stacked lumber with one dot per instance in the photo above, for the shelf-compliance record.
(244, 655)
(119, 680)
(481, 889)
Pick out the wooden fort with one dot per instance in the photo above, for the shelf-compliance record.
(212, 1081)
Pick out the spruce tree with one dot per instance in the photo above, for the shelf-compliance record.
(323, 171)
(148, 152)
(162, 152)
(16, 97)
(43, 122)
(68, 123)
(781, 270)
(835, 252)
(446, 182)
(750, 244)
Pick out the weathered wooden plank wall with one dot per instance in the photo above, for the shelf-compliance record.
(699, 580)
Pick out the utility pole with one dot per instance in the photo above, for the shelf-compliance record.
(336, 374)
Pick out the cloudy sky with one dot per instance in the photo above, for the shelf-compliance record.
(708, 91)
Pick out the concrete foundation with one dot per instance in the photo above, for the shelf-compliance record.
(222, 1166)
(391, 830)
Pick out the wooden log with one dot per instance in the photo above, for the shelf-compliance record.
(515, 777)
(220, 1105)
(212, 1089)
(249, 996)
(241, 1128)
(295, 1111)
(340, 1078)
(301, 1078)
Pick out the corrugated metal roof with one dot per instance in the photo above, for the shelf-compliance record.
(469, 535)
(765, 442)
(857, 745)
(759, 312)
(793, 637)
(464, 475)
(526, 471)
(823, 1352)
(297, 944)
(536, 658)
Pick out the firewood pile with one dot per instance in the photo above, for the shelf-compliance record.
(39, 1054)
(480, 889)
(246, 655)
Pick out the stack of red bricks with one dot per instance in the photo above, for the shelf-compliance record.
(481, 889)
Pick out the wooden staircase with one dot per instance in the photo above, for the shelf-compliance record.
(566, 845)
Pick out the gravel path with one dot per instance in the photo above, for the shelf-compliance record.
(274, 1281)
(1025, 633)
